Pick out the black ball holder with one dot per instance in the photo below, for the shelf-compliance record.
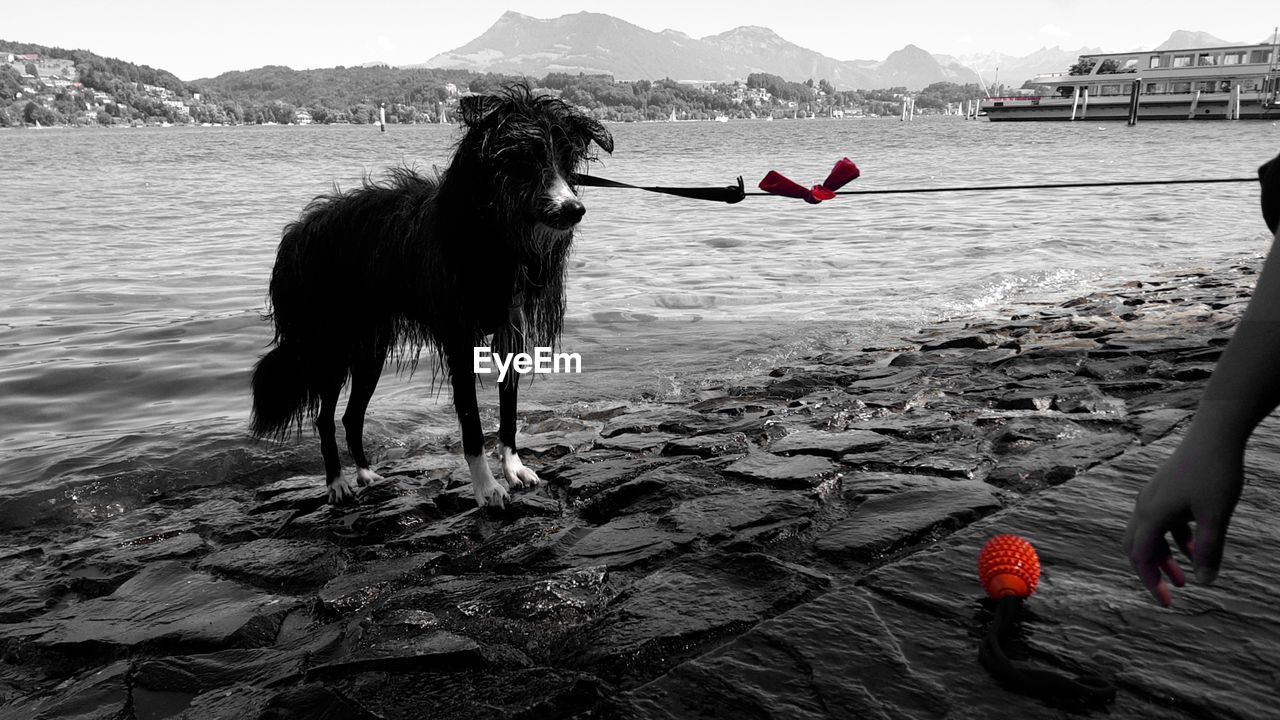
(1082, 692)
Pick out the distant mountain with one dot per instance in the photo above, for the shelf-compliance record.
(750, 48)
(1183, 39)
(1013, 70)
(594, 43)
(915, 68)
(584, 42)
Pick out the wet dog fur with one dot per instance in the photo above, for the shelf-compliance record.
(440, 263)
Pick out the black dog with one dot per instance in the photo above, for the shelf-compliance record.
(1269, 176)
(438, 262)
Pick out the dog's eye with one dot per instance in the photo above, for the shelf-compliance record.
(530, 154)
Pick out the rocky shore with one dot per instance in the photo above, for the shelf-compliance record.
(800, 545)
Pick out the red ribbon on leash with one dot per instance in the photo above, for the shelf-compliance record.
(776, 184)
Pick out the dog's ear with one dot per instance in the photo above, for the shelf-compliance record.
(473, 109)
(593, 130)
(1269, 176)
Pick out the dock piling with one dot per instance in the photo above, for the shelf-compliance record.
(1134, 91)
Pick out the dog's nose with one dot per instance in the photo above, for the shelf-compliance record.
(573, 210)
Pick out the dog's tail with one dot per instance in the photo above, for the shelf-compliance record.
(282, 395)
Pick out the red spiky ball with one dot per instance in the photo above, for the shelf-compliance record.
(1008, 567)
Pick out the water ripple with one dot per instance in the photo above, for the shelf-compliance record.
(135, 279)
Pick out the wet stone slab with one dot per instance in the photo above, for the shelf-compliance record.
(633, 540)
(741, 515)
(1091, 614)
(797, 544)
(892, 511)
(961, 460)
(98, 694)
(827, 444)
(796, 472)
(709, 446)
(368, 582)
(274, 563)
(650, 420)
(165, 605)
(653, 490)
(639, 636)
(586, 476)
(811, 662)
(636, 442)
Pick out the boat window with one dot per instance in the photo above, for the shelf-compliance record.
(1155, 62)
(1182, 60)
(1110, 90)
(1207, 86)
(1260, 56)
(1207, 59)
(1154, 88)
(1180, 87)
(1225, 86)
(1234, 58)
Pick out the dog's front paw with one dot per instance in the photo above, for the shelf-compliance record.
(491, 494)
(366, 477)
(341, 491)
(515, 472)
(487, 490)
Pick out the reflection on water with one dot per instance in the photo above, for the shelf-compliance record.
(135, 265)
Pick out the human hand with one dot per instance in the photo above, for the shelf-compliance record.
(1200, 482)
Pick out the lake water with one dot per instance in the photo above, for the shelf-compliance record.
(134, 265)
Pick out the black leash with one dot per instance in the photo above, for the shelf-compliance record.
(1041, 186)
(1085, 691)
(728, 194)
(734, 194)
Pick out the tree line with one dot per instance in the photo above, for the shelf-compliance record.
(411, 95)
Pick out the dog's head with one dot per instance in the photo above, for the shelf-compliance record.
(531, 146)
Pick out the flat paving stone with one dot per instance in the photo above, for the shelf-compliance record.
(896, 510)
(276, 563)
(798, 471)
(165, 605)
(827, 444)
(626, 542)
(639, 634)
(1216, 653)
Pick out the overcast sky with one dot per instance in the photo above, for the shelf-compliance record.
(202, 38)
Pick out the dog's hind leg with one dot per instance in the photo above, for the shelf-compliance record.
(340, 489)
(462, 374)
(365, 372)
(516, 473)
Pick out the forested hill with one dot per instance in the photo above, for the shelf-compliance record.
(43, 86)
(337, 87)
(102, 73)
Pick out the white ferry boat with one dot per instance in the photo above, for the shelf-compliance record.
(1214, 83)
